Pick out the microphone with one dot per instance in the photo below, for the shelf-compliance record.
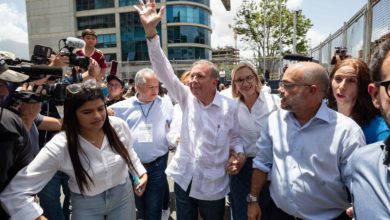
(74, 42)
(38, 72)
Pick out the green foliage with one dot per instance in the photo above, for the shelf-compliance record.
(257, 22)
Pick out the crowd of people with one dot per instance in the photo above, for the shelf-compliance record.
(319, 150)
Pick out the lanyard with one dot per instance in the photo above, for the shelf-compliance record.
(143, 113)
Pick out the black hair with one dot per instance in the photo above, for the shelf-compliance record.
(377, 59)
(71, 127)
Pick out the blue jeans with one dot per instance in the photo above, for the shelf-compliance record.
(116, 203)
(187, 208)
(150, 204)
(49, 197)
(240, 187)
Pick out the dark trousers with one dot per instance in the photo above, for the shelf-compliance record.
(240, 187)
(277, 213)
(187, 208)
(149, 205)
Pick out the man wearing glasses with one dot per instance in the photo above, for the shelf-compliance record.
(370, 164)
(148, 116)
(304, 148)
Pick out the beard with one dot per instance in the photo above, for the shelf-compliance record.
(292, 102)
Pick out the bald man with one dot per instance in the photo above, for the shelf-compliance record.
(303, 149)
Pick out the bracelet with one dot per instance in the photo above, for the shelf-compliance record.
(153, 36)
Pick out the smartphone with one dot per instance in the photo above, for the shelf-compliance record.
(114, 67)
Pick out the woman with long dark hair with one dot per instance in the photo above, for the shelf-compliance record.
(349, 95)
(95, 151)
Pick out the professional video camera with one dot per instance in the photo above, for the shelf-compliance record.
(71, 43)
(41, 54)
(63, 76)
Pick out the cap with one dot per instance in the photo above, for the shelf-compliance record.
(343, 49)
(9, 75)
(111, 77)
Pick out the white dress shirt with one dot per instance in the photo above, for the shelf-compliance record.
(207, 134)
(106, 168)
(307, 164)
(175, 127)
(251, 121)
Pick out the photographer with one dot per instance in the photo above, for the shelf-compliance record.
(340, 54)
(16, 151)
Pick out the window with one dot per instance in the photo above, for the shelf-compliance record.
(106, 41)
(188, 34)
(96, 22)
(110, 57)
(82, 5)
(188, 53)
(205, 2)
(131, 2)
(188, 14)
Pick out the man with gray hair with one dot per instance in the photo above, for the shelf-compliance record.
(304, 149)
(209, 130)
(148, 117)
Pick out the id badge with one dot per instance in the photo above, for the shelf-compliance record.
(145, 133)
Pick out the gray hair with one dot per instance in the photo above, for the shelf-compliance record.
(140, 76)
(212, 66)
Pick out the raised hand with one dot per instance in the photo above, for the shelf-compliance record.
(149, 16)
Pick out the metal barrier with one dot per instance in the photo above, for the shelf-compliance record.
(359, 34)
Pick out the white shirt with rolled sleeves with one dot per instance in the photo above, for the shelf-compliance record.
(307, 164)
(208, 133)
(106, 168)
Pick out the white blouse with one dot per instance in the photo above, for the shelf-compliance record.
(106, 168)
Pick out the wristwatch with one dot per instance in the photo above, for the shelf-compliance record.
(251, 198)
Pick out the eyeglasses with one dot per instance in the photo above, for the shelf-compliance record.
(385, 84)
(248, 79)
(287, 85)
(78, 87)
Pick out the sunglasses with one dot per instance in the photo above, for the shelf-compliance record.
(78, 87)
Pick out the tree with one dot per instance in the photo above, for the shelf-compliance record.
(257, 22)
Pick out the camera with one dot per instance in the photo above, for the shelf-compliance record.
(71, 43)
(41, 54)
(338, 49)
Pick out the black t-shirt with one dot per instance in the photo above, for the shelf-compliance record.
(15, 149)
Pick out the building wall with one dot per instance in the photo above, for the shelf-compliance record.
(49, 21)
(185, 32)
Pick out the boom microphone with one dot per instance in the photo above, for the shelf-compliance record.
(74, 42)
(38, 72)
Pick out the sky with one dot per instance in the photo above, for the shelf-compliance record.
(327, 17)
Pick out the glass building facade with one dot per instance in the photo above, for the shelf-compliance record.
(189, 34)
(134, 47)
(188, 53)
(188, 14)
(188, 29)
(123, 3)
